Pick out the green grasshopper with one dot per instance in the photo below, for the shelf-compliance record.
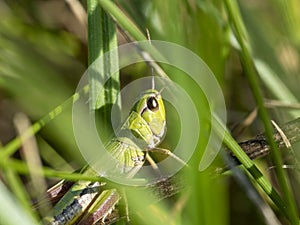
(147, 122)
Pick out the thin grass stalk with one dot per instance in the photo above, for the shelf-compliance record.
(261, 180)
(122, 19)
(12, 146)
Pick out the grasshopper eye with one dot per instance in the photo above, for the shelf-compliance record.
(152, 104)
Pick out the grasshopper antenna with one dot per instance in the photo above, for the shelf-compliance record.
(152, 70)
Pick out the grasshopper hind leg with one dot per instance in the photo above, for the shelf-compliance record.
(163, 151)
(168, 153)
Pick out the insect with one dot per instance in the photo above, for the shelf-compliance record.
(147, 123)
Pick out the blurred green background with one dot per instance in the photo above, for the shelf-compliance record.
(43, 54)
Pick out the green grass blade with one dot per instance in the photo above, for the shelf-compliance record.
(10, 212)
(102, 39)
(18, 190)
(103, 66)
(122, 20)
(11, 147)
(251, 168)
(22, 168)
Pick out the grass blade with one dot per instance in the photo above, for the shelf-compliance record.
(10, 212)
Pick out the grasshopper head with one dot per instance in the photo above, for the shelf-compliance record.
(151, 108)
